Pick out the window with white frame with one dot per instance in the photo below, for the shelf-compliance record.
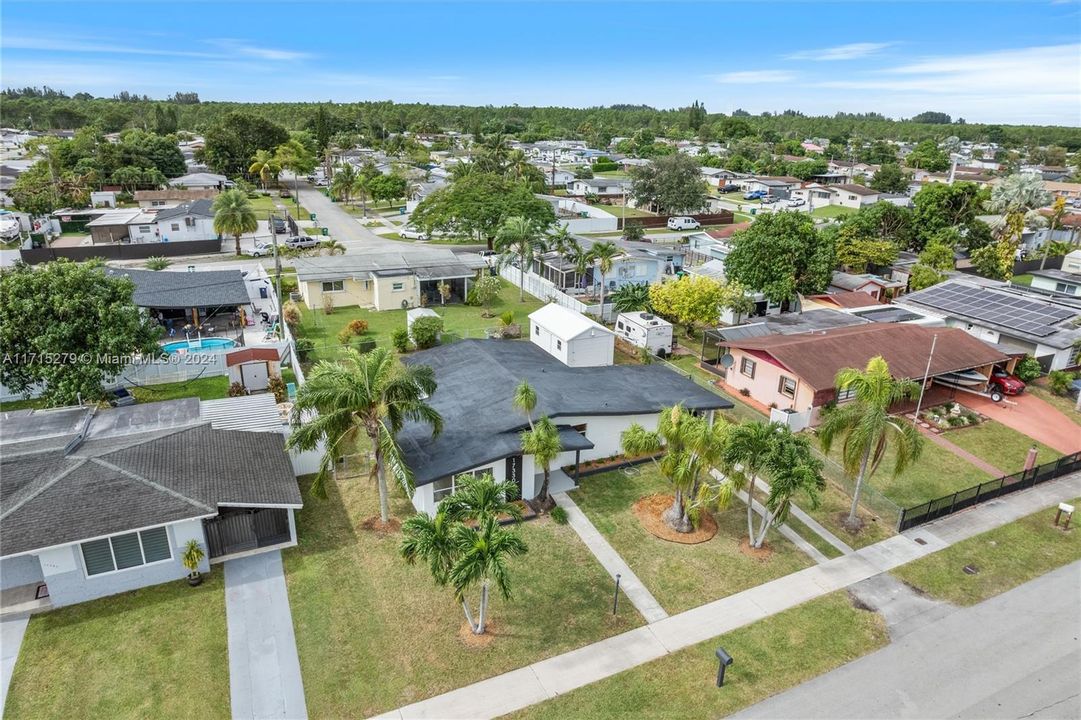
(334, 286)
(787, 386)
(1065, 288)
(144, 228)
(175, 227)
(397, 287)
(746, 367)
(121, 552)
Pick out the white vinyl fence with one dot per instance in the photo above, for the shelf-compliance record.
(547, 291)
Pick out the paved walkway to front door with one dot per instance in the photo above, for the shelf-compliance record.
(264, 670)
(1032, 416)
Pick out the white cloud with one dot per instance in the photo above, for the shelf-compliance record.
(241, 47)
(73, 45)
(852, 51)
(753, 77)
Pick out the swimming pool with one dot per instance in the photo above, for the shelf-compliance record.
(212, 343)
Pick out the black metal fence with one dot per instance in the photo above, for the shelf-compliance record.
(1021, 480)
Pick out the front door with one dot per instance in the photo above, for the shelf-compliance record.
(514, 475)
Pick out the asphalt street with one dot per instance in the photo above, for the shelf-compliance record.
(1017, 655)
(343, 227)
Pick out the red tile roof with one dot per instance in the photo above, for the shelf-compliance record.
(847, 299)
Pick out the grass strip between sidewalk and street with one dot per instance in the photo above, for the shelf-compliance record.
(769, 656)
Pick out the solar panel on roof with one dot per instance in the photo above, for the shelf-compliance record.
(982, 304)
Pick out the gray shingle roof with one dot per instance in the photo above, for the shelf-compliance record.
(169, 289)
(406, 261)
(122, 480)
(477, 379)
(198, 207)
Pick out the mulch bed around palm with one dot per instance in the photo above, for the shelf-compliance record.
(376, 524)
(763, 553)
(650, 511)
(474, 641)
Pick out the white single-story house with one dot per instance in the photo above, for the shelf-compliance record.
(1057, 281)
(190, 221)
(591, 407)
(571, 337)
(171, 197)
(98, 502)
(603, 187)
(645, 330)
(387, 280)
(202, 181)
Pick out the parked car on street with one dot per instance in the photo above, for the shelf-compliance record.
(411, 233)
(683, 223)
(767, 199)
(797, 202)
(301, 241)
(260, 249)
(753, 194)
(1002, 383)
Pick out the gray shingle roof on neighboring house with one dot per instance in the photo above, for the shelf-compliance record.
(201, 208)
(169, 289)
(477, 379)
(119, 480)
(424, 262)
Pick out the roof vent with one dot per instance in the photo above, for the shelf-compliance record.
(647, 316)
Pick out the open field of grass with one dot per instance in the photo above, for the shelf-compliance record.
(156, 652)
(680, 576)
(1004, 558)
(374, 633)
(770, 656)
(459, 320)
(1003, 447)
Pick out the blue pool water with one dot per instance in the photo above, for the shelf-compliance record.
(213, 343)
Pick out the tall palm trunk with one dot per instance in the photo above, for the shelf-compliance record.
(237, 238)
(469, 615)
(483, 607)
(750, 506)
(676, 516)
(543, 494)
(853, 517)
(381, 482)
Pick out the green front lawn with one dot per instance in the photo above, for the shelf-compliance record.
(1025, 280)
(156, 652)
(831, 211)
(1003, 447)
(374, 633)
(1004, 558)
(769, 657)
(618, 211)
(680, 576)
(211, 388)
(459, 320)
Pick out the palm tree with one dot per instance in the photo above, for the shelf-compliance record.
(517, 165)
(429, 539)
(333, 247)
(867, 428)
(360, 188)
(1018, 197)
(604, 253)
(266, 166)
(525, 400)
(482, 558)
(371, 395)
(518, 239)
(478, 497)
(343, 182)
(746, 455)
(294, 157)
(234, 215)
(543, 443)
(631, 298)
(691, 445)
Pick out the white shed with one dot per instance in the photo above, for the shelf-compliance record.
(646, 330)
(571, 337)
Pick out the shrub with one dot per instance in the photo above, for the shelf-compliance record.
(304, 348)
(633, 231)
(1059, 382)
(277, 386)
(645, 356)
(364, 345)
(158, 263)
(559, 515)
(289, 285)
(426, 331)
(744, 392)
(237, 389)
(354, 328)
(291, 314)
(1028, 369)
(328, 305)
(507, 318)
(400, 339)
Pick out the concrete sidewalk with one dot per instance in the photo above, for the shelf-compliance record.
(540, 681)
(264, 670)
(606, 555)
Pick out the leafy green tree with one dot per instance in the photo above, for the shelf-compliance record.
(672, 184)
(387, 187)
(994, 261)
(691, 445)
(781, 255)
(543, 443)
(370, 395)
(884, 221)
(924, 276)
(234, 215)
(518, 240)
(232, 141)
(856, 251)
(938, 206)
(878, 153)
(1028, 369)
(866, 427)
(890, 178)
(632, 297)
(927, 155)
(485, 290)
(77, 311)
(265, 164)
(938, 253)
(696, 300)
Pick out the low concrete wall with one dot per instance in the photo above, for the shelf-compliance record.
(137, 251)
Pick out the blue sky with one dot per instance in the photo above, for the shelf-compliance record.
(986, 61)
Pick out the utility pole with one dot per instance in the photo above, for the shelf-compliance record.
(926, 372)
(277, 271)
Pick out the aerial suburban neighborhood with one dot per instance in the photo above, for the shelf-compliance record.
(354, 372)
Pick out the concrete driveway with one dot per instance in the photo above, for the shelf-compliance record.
(1031, 416)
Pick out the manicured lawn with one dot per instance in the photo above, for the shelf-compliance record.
(938, 472)
(374, 633)
(211, 388)
(1003, 447)
(1005, 557)
(613, 174)
(1025, 280)
(459, 320)
(153, 653)
(831, 211)
(618, 211)
(30, 404)
(769, 656)
(1065, 405)
(264, 204)
(680, 576)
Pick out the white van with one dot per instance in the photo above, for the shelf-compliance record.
(683, 223)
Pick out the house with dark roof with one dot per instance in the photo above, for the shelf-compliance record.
(879, 288)
(213, 298)
(97, 502)
(591, 406)
(188, 221)
(796, 372)
(1044, 326)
